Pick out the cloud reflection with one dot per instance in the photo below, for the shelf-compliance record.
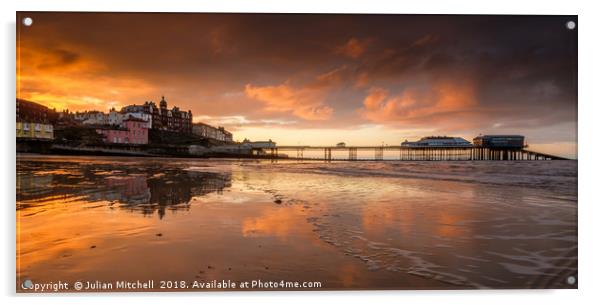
(148, 191)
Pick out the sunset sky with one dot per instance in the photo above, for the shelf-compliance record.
(316, 79)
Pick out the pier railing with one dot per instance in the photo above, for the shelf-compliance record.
(402, 153)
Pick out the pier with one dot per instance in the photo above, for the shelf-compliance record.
(401, 153)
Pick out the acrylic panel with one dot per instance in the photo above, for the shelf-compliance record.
(227, 152)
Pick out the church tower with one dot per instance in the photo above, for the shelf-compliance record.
(163, 103)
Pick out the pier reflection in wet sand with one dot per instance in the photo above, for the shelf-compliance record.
(387, 225)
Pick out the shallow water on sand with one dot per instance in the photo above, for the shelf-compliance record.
(348, 225)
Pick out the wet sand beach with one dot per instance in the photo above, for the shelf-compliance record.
(347, 225)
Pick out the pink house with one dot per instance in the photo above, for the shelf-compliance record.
(132, 131)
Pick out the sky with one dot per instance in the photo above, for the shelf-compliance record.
(316, 79)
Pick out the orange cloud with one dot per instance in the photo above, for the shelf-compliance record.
(413, 104)
(332, 78)
(304, 103)
(60, 78)
(353, 48)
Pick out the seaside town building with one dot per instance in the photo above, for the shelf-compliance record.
(92, 117)
(115, 117)
(159, 118)
(116, 125)
(65, 115)
(162, 118)
(30, 130)
(132, 131)
(34, 121)
(226, 134)
(210, 132)
(137, 111)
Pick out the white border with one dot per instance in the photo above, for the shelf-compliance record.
(590, 50)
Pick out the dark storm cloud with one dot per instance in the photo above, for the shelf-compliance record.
(462, 73)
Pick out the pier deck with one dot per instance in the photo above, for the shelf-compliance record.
(441, 153)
